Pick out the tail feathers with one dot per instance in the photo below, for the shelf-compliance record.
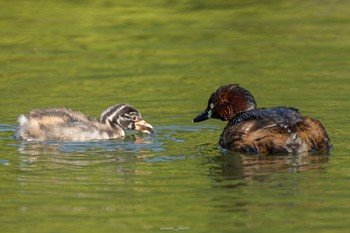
(21, 128)
(22, 120)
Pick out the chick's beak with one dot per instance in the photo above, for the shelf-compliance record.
(144, 127)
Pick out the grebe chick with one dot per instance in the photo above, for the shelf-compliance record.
(61, 124)
(262, 130)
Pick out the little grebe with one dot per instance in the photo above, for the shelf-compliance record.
(61, 124)
(262, 130)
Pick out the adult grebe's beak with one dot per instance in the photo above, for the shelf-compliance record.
(144, 127)
(203, 116)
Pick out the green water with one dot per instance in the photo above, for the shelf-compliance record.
(165, 58)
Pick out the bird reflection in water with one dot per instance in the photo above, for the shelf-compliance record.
(81, 153)
(234, 169)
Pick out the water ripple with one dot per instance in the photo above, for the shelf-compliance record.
(146, 145)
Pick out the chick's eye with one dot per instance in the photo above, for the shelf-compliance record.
(133, 117)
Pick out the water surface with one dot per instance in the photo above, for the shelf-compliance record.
(165, 58)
